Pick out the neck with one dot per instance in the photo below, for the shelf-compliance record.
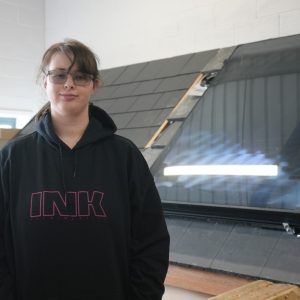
(69, 128)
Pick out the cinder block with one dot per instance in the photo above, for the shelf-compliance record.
(276, 7)
(290, 23)
(8, 12)
(14, 68)
(235, 12)
(36, 4)
(32, 17)
(260, 29)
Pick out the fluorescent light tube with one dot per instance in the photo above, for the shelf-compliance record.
(233, 170)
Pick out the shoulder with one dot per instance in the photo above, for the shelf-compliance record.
(126, 145)
(123, 141)
(119, 142)
(134, 156)
(123, 148)
(18, 144)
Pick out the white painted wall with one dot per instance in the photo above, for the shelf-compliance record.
(22, 41)
(129, 31)
(124, 32)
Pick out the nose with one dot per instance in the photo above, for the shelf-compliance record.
(69, 82)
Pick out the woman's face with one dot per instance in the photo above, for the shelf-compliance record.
(67, 98)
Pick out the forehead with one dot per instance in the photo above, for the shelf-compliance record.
(60, 61)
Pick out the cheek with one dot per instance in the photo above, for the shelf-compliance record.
(86, 94)
(50, 92)
(90, 94)
(92, 91)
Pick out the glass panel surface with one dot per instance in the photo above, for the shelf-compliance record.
(240, 146)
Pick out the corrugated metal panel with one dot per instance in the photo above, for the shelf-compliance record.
(235, 248)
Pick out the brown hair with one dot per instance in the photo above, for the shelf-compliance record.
(78, 53)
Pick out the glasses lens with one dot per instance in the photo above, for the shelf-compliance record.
(82, 78)
(58, 76)
(61, 76)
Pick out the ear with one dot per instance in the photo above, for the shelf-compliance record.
(96, 84)
(45, 82)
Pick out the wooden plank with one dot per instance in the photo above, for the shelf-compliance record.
(261, 290)
(291, 294)
(243, 291)
(157, 133)
(201, 281)
(196, 81)
(165, 123)
(268, 292)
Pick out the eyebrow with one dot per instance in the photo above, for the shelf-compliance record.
(66, 70)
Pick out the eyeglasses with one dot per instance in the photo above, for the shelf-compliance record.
(61, 76)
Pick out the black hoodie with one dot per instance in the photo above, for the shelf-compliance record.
(83, 223)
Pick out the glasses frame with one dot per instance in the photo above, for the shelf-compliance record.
(73, 74)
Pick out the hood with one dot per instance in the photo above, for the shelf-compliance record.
(100, 126)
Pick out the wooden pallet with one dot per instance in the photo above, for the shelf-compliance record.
(203, 281)
(261, 290)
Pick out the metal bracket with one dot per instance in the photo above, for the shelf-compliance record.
(290, 229)
(208, 77)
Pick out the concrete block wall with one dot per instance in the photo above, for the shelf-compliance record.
(124, 32)
(129, 31)
(22, 41)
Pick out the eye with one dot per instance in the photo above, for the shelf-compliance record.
(59, 75)
(81, 77)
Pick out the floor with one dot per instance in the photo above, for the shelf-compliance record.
(173, 293)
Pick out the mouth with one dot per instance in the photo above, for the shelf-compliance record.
(68, 96)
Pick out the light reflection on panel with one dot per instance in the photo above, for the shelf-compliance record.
(222, 170)
(248, 122)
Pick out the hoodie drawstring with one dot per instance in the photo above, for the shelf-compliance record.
(75, 164)
(62, 168)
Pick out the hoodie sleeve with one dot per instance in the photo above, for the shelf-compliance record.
(6, 278)
(149, 236)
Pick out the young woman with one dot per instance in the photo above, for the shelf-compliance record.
(80, 217)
